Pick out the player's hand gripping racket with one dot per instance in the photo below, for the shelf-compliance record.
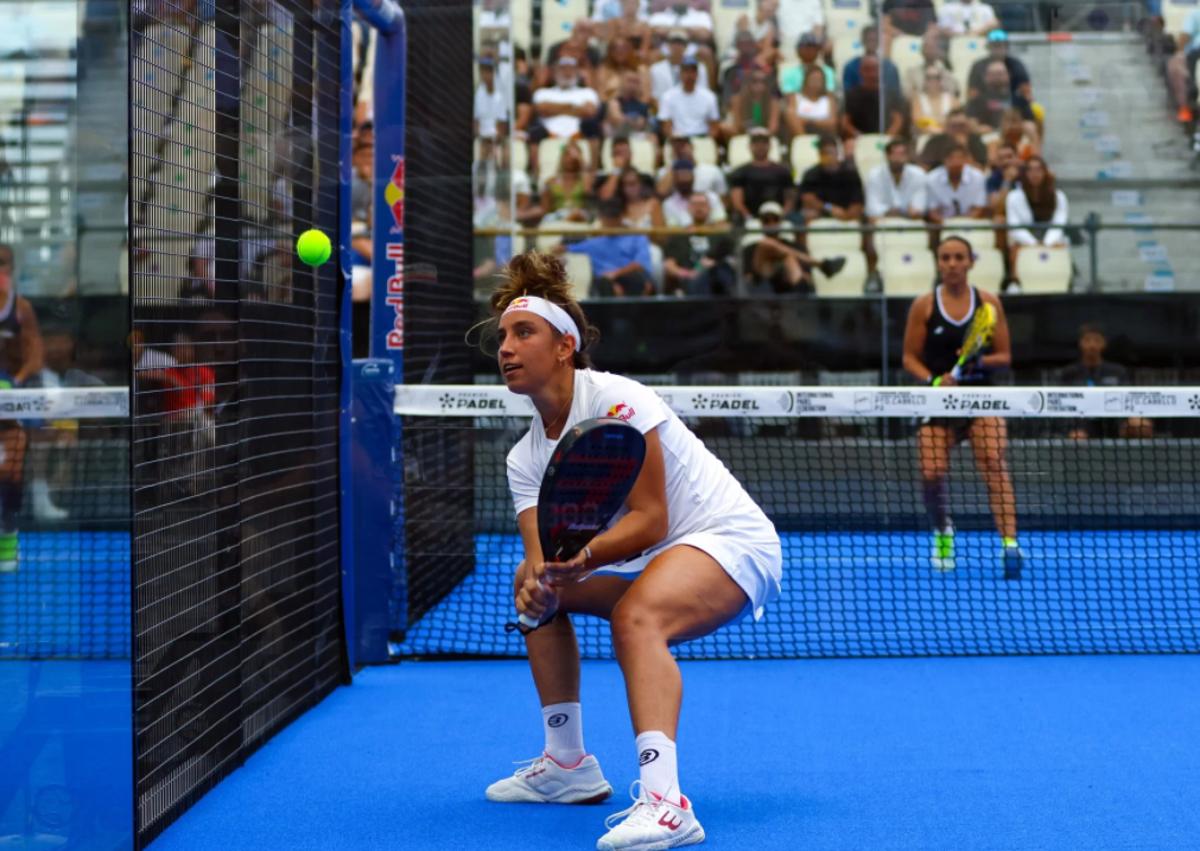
(977, 338)
(591, 473)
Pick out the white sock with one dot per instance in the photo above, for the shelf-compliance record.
(564, 733)
(656, 756)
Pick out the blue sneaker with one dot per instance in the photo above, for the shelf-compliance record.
(1012, 557)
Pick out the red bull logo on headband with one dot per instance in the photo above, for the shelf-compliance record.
(621, 411)
(518, 304)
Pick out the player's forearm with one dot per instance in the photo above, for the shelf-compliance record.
(996, 360)
(634, 533)
(918, 370)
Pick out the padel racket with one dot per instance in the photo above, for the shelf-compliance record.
(978, 337)
(591, 472)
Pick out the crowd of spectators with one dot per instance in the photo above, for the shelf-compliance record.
(638, 110)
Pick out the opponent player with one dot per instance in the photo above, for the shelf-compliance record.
(22, 359)
(689, 553)
(932, 340)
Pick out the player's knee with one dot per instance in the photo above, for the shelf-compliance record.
(632, 624)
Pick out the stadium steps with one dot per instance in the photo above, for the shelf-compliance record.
(1112, 141)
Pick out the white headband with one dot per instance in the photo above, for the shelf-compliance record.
(549, 311)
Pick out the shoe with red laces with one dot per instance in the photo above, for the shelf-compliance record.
(653, 823)
(544, 781)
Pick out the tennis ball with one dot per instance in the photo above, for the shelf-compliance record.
(313, 247)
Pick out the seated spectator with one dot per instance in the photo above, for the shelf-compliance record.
(696, 24)
(361, 189)
(735, 71)
(863, 107)
(796, 17)
(491, 104)
(957, 132)
(191, 386)
(956, 189)
(908, 17)
(987, 108)
(621, 60)
(698, 264)
(640, 207)
(665, 75)
(1092, 370)
(761, 180)
(687, 109)
(1022, 135)
(492, 253)
(813, 110)
(831, 188)
(933, 105)
(777, 259)
(564, 196)
(707, 177)
(627, 19)
(755, 106)
(966, 17)
(608, 182)
(1036, 210)
(567, 110)
(808, 48)
(628, 113)
(763, 25)
(852, 76)
(933, 61)
(1006, 171)
(896, 188)
(676, 206)
(1018, 74)
(577, 47)
(1181, 68)
(620, 264)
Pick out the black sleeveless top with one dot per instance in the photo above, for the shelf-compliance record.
(10, 335)
(944, 337)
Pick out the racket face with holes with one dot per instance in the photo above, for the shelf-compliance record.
(591, 472)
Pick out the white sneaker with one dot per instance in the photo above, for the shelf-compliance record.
(544, 781)
(43, 507)
(653, 823)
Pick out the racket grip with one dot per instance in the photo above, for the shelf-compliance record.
(528, 622)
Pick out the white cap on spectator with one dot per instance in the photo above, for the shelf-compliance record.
(677, 35)
(770, 208)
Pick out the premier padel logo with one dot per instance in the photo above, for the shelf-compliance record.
(701, 402)
(971, 404)
(621, 411)
(557, 719)
(454, 402)
(950, 403)
(647, 756)
(1194, 403)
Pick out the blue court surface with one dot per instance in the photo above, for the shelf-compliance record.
(1093, 752)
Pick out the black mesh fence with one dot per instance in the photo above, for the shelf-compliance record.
(237, 628)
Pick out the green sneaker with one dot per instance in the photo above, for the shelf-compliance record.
(9, 558)
(943, 550)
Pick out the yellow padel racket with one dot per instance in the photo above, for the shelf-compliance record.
(977, 338)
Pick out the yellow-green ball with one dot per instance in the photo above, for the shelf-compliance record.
(313, 247)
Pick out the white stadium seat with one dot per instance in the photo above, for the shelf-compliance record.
(705, 149)
(848, 282)
(827, 237)
(912, 235)
(907, 272)
(845, 49)
(1044, 270)
(965, 51)
(558, 19)
(725, 15)
(643, 155)
(550, 152)
(845, 23)
(979, 239)
(906, 54)
(579, 273)
(868, 153)
(805, 154)
(988, 273)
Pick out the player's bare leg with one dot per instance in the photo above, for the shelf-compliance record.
(934, 444)
(989, 442)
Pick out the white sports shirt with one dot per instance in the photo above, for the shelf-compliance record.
(701, 494)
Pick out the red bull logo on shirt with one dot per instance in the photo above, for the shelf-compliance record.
(621, 411)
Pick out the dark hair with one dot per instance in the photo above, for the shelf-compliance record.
(620, 194)
(1010, 146)
(826, 140)
(1091, 328)
(958, 110)
(536, 273)
(816, 69)
(895, 143)
(955, 238)
(870, 28)
(956, 148)
(1043, 200)
(12, 253)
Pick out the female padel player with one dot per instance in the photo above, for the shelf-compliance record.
(932, 339)
(689, 553)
